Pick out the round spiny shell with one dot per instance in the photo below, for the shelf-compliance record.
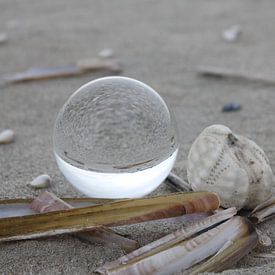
(233, 166)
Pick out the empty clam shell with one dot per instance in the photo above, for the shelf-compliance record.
(231, 165)
(41, 181)
(6, 136)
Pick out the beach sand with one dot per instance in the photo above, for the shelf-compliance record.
(160, 43)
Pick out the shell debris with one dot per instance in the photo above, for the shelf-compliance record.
(232, 33)
(6, 136)
(231, 107)
(42, 181)
(3, 38)
(106, 53)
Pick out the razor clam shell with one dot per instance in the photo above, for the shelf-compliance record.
(237, 249)
(116, 213)
(47, 202)
(196, 202)
(15, 210)
(264, 211)
(169, 240)
(106, 66)
(177, 183)
(187, 253)
(21, 207)
(222, 72)
(264, 205)
(188, 218)
(263, 215)
(107, 236)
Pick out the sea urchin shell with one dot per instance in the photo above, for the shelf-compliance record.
(231, 165)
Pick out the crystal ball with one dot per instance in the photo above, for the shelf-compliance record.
(115, 138)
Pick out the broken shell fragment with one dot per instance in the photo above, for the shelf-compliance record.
(264, 211)
(242, 239)
(232, 33)
(264, 239)
(3, 38)
(265, 255)
(106, 53)
(47, 202)
(42, 181)
(177, 183)
(6, 136)
(233, 166)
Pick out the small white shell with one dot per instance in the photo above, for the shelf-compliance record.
(6, 136)
(231, 165)
(41, 181)
(232, 33)
(3, 38)
(106, 53)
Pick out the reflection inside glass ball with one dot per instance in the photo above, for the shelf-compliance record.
(115, 138)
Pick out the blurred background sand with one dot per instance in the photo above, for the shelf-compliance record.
(160, 43)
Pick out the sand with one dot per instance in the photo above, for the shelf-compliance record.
(160, 43)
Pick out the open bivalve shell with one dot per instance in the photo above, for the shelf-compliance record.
(233, 166)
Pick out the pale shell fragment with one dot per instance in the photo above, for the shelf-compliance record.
(6, 136)
(232, 33)
(233, 166)
(3, 38)
(106, 53)
(264, 239)
(42, 181)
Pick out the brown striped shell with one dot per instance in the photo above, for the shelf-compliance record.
(231, 165)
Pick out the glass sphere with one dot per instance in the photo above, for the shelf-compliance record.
(115, 138)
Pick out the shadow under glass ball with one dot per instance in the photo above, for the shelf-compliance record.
(115, 132)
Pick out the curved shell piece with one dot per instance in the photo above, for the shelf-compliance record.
(42, 181)
(231, 165)
(6, 136)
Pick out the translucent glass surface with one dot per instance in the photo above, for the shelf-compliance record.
(115, 127)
